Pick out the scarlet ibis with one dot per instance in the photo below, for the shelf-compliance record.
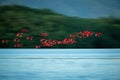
(98, 34)
(29, 37)
(43, 34)
(37, 46)
(5, 41)
(42, 39)
(18, 45)
(24, 30)
(72, 35)
(19, 34)
(16, 40)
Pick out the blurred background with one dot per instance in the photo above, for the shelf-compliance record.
(59, 19)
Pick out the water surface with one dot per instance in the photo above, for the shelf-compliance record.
(22, 64)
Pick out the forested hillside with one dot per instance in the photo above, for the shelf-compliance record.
(24, 27)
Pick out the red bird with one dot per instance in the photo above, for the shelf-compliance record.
(17, 45)
(29, 37)
(37, 46)
(72, 35)
(5, 41)
(16, 40)
(19, 34)
(87, 33)
(24, 30)
(43, 34)
(98, 34)
(42, 39)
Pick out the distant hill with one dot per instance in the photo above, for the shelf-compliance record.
(57, 26)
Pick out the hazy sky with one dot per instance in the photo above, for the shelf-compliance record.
(81, 8)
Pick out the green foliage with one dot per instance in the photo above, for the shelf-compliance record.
(58, 26)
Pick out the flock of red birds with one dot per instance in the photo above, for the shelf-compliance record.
(48, 42)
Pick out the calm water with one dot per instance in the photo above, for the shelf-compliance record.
(51, 65)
